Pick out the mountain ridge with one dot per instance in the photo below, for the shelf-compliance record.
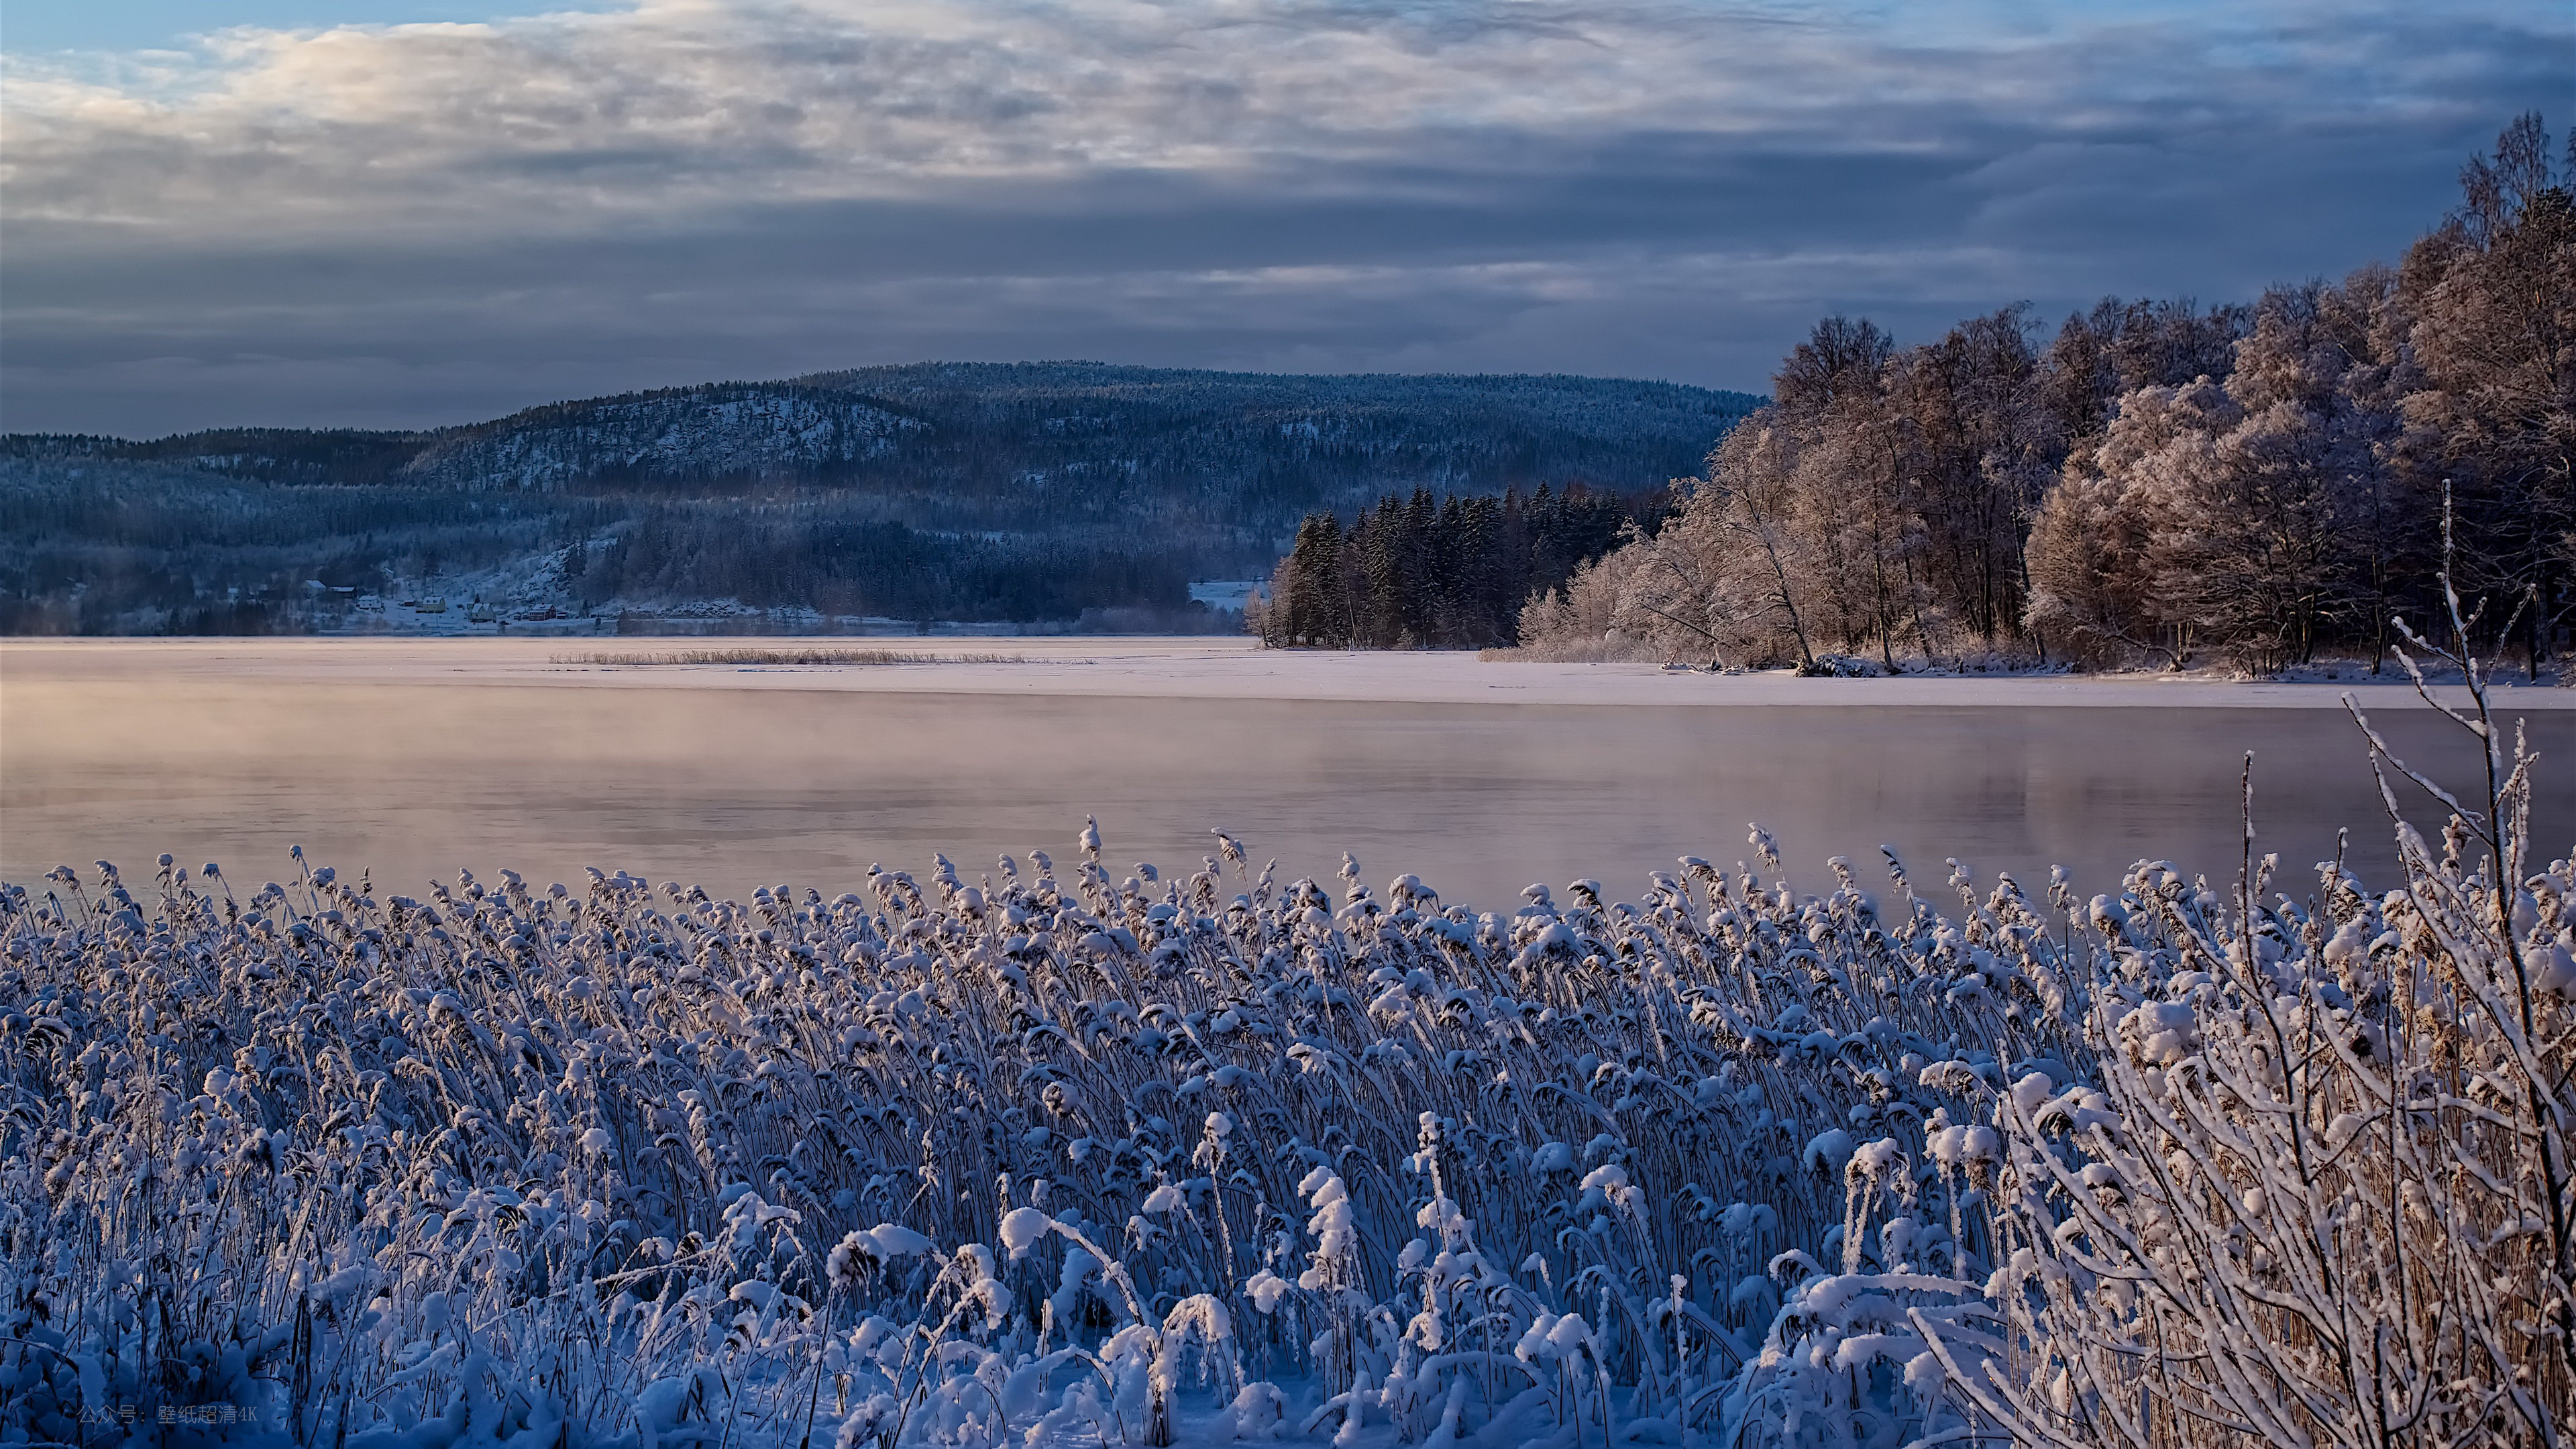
(354, 446)
(839, 491)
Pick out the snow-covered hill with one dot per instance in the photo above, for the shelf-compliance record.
(1065, 432)
(1033, 493)
(685, 434)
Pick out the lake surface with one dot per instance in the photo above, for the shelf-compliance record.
(408, 778)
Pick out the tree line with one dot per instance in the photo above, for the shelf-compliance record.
(1439, 573)
(837, 557)
(2155, 483)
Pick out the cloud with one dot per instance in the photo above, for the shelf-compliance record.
(412, 224)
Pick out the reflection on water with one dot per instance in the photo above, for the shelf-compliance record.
(735, 789)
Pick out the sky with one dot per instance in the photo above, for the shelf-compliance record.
(406, 213)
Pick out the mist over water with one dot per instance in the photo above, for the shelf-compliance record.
(737, 788)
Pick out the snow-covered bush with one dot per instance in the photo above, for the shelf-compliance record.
(2317, 1187)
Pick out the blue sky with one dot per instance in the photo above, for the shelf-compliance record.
(38, 26)
(381, 214)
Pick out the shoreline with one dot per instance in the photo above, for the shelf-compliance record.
(1175, 667)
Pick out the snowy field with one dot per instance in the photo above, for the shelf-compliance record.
(1150, 668)
(1053, 1147)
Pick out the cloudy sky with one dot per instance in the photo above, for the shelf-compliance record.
(405, 212)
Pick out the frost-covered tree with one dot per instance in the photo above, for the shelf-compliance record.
(1736, 576)
(1806, 535)
(2247, 517)
(2162, 483)
(2092, 595)
(2490, 298)
(1980, 448)
(2106, 538)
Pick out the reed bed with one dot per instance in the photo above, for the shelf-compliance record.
(1093, 1155)
(834, 655)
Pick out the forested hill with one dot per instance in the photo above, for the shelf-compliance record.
(1038, 432)
(939, 490)
(1086, 429)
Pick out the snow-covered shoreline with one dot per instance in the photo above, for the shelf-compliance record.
(1166, 668)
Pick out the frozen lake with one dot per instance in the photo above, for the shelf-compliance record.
(411, 759)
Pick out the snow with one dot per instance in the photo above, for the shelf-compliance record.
(1162, 668)
(1022, 1228)
(1831, 1152)
(1228, 593)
